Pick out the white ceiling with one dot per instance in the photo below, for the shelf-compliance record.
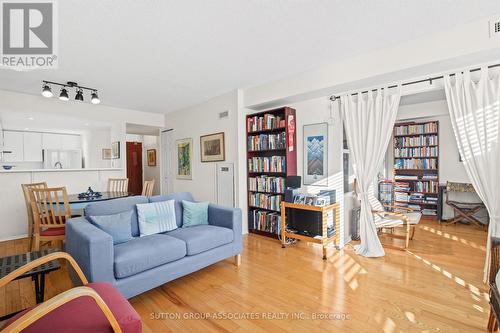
(160, 55)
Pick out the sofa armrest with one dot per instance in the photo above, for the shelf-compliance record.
(227, 217)
(92, 249)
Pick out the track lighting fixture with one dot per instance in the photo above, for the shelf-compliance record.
(46, 91)
(79, 95)
(64, 96)
(94, 99)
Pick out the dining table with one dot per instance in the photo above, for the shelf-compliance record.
(76, 202)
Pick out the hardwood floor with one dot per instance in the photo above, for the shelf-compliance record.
(435, 286)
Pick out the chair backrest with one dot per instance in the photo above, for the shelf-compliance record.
(27, 199)
(147, 189)
(50, 207)
(118, 185)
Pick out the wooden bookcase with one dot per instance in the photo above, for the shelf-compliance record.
(416, 166)
(271, 157)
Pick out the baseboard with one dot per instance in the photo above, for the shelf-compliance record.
(13, 238)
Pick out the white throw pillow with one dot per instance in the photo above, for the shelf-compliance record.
(156, 217)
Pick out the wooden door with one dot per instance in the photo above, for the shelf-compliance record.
(134, 167)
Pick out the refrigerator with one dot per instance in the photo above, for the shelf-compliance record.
(62, 159)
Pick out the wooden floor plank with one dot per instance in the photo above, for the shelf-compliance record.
(434, 286)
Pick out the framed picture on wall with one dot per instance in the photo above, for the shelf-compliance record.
(151, 157)
(316, 154)
(106, 154)
(184, 158)
(115, 150)
(212, 147)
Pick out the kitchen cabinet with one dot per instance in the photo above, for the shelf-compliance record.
(71, 142)
(51, 141)
(32, 147)
(61, 141)
(13, 142)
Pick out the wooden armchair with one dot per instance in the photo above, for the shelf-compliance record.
(384, 219)
(94, 307)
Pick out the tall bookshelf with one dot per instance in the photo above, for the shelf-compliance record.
(416, 166)
(271, 157)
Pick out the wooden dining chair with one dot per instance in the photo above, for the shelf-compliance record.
(147, 189)
(31, 224)
(50, 209)
(118, 185)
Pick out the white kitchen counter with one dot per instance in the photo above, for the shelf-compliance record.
(16, 170)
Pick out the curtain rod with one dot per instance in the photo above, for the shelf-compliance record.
(334, 98)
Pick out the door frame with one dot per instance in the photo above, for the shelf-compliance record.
(166, 163)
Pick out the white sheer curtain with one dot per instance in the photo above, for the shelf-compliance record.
(369, 120)
(475, 116)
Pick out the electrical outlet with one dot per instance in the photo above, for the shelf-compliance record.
(495, 27)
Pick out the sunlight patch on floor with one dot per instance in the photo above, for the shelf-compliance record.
(453, 237)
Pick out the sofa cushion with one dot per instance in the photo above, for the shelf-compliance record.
(84, 315)
(156, 217)
(195, 213)
(143, 253)
(116, 225)
(116, 206)
(202, 238)
(178, 197)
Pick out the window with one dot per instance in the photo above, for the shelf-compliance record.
(348, 170)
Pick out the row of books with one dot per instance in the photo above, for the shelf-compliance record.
(416, 152)
(416, 129)
(424, 164)
(416, 177)
(401, 186)
(415, 198)
(426, 186)
(423, 140)
(267, 142)
(265, 122)
(267, 164)
(266, 221)
(267, 184)
(266, 201)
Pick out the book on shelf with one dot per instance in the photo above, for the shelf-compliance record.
(265, 122)
(267, 184)
(428, 211)
(416, 141)
(267, 142)
(265, 201)
(266, 221)
(416, 152)
(267, 164)
(430, 127)
(423, 163)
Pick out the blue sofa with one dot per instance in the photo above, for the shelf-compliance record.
(144, 263)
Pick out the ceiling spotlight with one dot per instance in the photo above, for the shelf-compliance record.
(94, 98)
(46, 91)
(64, 95)
(79, 95)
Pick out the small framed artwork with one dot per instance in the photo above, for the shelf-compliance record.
(151, 157)
(106, 153)
(316, 154)
(212, 147)
(184, 158)
(115, 150)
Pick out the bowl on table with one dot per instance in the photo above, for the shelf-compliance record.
(7, 167)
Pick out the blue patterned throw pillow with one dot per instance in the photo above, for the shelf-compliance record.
(156, 217)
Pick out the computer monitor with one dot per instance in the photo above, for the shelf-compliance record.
(293, 182)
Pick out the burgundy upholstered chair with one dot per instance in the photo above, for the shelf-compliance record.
(94, 307)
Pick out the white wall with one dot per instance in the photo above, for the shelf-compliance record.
(94, 141)
(201, 120)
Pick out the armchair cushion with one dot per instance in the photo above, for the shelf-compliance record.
(202, 238)
(84, 315)
(53, 232)
(143, 253)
